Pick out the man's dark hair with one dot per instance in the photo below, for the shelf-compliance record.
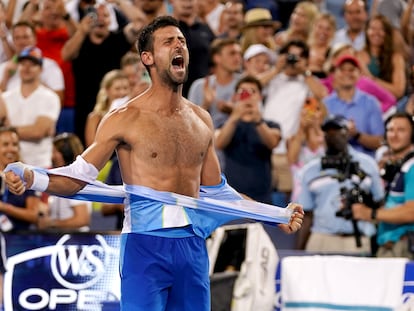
(217, 46)
(298, 43)
(24, 24)
(145, 40)
(7, 129)
(249, 79)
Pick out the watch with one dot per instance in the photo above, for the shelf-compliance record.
(308, 73)
(66, 17)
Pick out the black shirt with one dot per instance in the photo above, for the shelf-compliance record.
(199, 37)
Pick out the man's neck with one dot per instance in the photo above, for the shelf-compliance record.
(223, 76)
(353, 33)
(98, 39)
(403, 152)
(346, 94)
(233, 32)
(27, 88)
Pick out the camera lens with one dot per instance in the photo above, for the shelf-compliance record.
(292, 59)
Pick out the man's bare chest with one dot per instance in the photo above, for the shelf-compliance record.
(173, 142)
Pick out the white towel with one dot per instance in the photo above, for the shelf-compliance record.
(341, 283)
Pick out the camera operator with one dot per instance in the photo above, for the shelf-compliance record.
(396, 218)
(329, 186)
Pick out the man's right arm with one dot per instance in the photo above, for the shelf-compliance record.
(64, 180)
(72, 47)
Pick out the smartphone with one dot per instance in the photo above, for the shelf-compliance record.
(244, 94)
(91, 10)
(311, 105)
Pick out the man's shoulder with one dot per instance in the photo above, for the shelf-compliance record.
(2, 65)
(47, 92)
(198, 83)
(333, 97)
(196, 90)
(408, 165)
(341, 32)
(365, 161)
(196, 108)
(312, 168)
(362, 94)
(10, 93)
(49, 63)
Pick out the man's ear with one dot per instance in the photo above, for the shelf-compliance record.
(147, 58)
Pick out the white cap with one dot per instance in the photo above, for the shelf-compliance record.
(256, 49)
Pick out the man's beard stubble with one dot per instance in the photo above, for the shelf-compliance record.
(170, 81)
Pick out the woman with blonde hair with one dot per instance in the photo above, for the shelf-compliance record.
(319, 43)
(300, 23)
(114, 85)
(259, 28)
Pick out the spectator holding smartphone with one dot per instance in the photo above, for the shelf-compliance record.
(308, 142)
(247, 142)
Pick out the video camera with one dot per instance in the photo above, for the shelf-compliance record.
(350, 170)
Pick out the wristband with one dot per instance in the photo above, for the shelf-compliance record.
(40, 181)
(357, 136)
(66, 17)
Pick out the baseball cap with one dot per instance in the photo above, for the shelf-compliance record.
(33, 53)
(347, 59)
(335, 122)
(256, 49)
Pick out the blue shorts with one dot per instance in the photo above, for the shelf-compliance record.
(164, 274)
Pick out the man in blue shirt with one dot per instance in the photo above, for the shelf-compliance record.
(247, 142)
(365, 126)
(325, 185)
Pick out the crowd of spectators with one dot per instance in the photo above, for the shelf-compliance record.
(269, 75)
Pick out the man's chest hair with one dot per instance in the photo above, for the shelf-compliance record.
(175, 142)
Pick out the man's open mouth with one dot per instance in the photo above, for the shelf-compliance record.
(178, 62)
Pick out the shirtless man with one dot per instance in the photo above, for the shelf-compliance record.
(163, 142)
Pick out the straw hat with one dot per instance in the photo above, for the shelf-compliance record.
(259, 17)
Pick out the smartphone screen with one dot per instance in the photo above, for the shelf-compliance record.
(244, 94)
(311, 105)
